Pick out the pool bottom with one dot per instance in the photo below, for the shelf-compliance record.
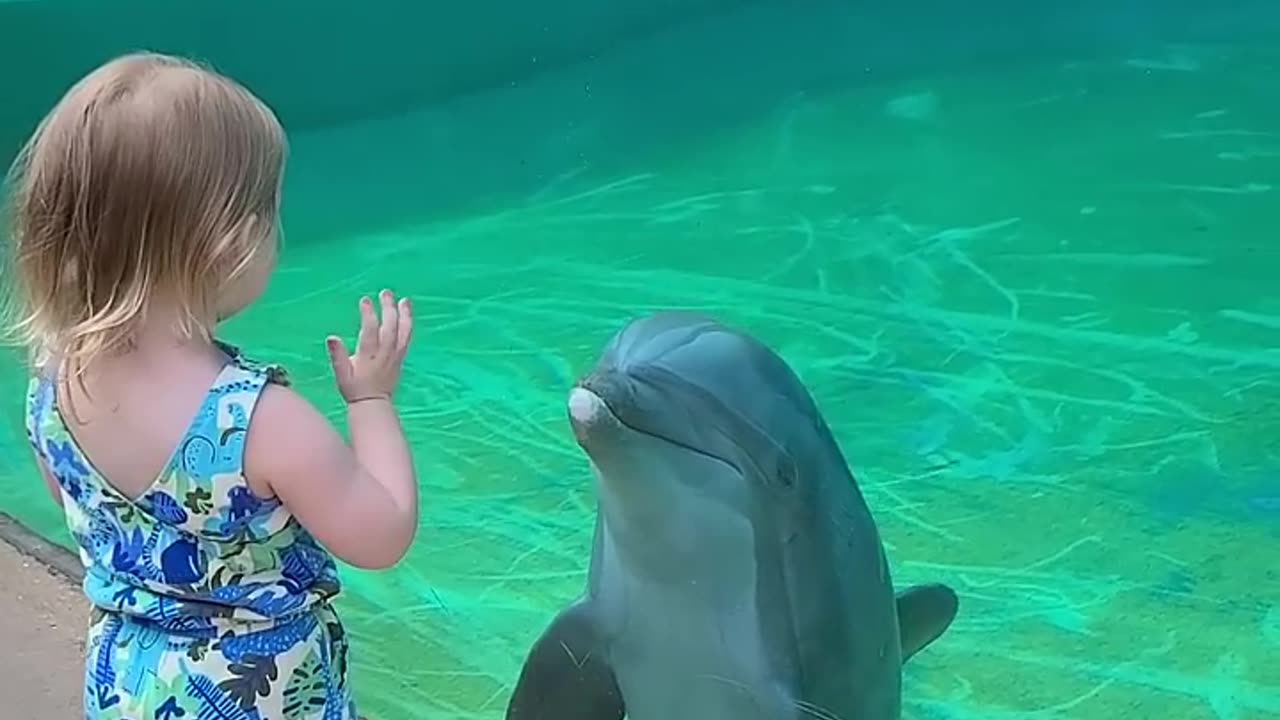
(1049, 394)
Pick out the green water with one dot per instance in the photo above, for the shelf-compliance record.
(1036, 302)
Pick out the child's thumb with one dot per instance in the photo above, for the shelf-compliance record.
(339, 360)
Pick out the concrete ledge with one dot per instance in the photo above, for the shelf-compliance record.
(43, 616)
(58, 559)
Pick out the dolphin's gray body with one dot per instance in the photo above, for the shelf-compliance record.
(737, 573)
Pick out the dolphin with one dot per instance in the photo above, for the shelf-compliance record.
(736, 572)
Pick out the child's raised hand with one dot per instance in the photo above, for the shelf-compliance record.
(374, 370)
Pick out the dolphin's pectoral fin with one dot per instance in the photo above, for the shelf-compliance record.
(565, 677)
(924, 613)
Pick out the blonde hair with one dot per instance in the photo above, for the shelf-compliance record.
(152, 178)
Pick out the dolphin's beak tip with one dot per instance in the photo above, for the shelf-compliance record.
(585, 410)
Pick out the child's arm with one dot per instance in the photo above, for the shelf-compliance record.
(361, 501)
(50, 482)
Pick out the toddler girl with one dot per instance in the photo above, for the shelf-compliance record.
(203, 493)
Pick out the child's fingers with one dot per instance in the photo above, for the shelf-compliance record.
(367, 341)
(405, 329)
(339, 359)
(390, 322)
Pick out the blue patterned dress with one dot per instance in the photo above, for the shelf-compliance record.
(209, 602)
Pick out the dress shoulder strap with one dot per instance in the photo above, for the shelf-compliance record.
(204, 481)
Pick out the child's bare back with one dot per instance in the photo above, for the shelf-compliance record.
(129, 413)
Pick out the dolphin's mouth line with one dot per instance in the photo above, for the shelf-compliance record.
(665, 438)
